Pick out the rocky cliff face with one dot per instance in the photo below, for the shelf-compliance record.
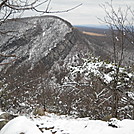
(35, 39)
(41, 46)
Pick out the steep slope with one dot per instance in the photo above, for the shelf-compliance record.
(39, 44)
(34, 39)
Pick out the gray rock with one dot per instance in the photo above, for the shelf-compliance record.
(39, 111)
(7, 116)
(3, 122)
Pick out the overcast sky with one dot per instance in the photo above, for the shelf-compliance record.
(87, 13)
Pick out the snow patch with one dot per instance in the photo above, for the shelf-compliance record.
(71, 125)
(20, 125)
(63, 124)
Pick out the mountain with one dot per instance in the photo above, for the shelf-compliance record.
(35, 71)
(38, 44)
(93, 26)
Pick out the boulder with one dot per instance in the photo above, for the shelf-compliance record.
(5, 118)
(39, 111)
(107, 118)
(3, 122)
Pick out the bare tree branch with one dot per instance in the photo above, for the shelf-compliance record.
(65, 10)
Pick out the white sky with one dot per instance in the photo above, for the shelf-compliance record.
(87, 13)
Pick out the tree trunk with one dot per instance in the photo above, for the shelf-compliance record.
(115, 104)
(133, 113)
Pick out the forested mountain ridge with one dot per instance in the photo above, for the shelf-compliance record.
(37, 43)
(50, 67)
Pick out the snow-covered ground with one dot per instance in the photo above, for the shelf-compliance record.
(20, 125)
(55, 124)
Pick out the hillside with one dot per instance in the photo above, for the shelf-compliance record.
(39, 44)
(102, 37)
(56, 66)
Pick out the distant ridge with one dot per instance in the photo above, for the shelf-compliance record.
(93, 26)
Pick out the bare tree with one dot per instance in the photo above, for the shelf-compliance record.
(120, 23)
